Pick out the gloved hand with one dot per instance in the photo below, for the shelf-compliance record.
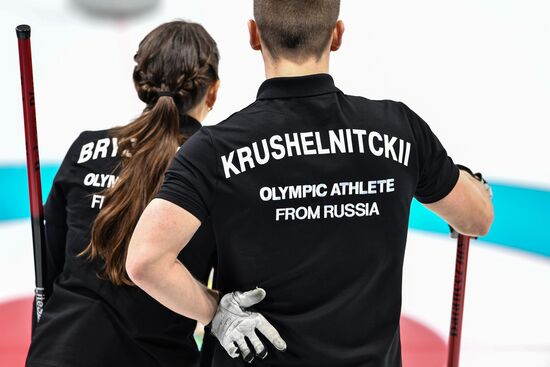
(232, 324)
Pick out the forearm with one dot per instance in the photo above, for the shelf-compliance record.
(483, 197)
(172, 285)
(467, 208)
(151, 263)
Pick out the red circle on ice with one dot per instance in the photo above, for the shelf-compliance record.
(421, 347)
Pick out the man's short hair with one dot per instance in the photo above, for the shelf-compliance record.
(296, 29)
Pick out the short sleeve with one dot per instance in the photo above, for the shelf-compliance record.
(190, 180)
(438, 174)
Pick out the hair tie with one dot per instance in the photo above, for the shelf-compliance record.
(166, 94)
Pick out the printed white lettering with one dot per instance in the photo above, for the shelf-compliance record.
(99, 180)
(350, 144)
(101, 148)
(307, 143)
(86, 153)
(377, 152)
(320, 148)
(360, 133)
(407, 152)
(89, 179)
(295, 143)
(388, 147)
(115, 147)
(259, 159)
(97, 200)
(265, 194)
(278, 147)
(228, 166)
(98, 149)
(244, 155)
(337, 141)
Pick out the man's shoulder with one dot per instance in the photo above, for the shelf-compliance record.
(379, 104)
(238, 122)
(388, 110)
(260, 111)
(239, 117)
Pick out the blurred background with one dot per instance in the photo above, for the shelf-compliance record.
(476, 71)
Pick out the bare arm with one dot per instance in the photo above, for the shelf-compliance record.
(467, 208)
(161, 233)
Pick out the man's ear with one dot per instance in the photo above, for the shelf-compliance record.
(212, 94)
(337, 35)
(254, 35)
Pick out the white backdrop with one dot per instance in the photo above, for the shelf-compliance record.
(477, 71)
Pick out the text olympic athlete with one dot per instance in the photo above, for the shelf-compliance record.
(330, 285)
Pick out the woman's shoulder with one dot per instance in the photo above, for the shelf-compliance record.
(94, 134)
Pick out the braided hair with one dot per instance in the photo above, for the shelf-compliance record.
(176, 64)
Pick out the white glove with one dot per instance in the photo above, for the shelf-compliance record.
(232, 324)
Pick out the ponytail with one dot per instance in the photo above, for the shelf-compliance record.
(147, 145)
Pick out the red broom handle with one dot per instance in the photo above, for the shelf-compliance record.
(33, 163)
(457, 310)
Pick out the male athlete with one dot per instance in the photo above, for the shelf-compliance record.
(309, 191)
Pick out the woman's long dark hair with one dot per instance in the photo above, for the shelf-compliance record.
(178, 60)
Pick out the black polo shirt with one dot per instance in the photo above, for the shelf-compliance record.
(309, 192)
(88, 321)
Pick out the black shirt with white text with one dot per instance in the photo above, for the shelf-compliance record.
(309, 192)
(88, 321)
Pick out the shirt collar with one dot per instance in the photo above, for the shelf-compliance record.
(188, 125)
(298, 86)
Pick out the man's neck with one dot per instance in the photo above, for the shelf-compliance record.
(288, 68)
